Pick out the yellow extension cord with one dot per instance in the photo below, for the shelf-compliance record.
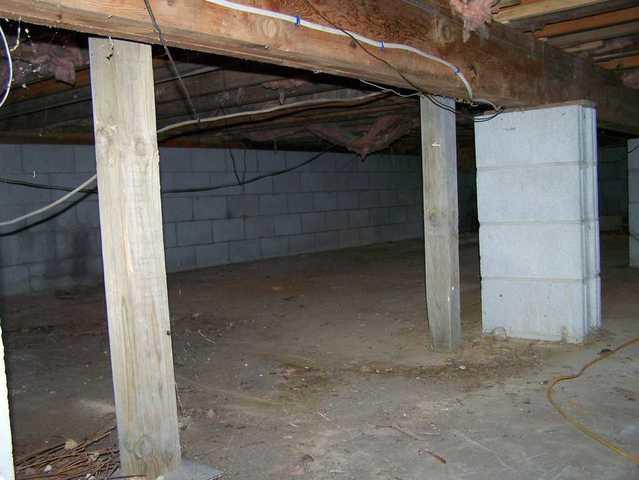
(580, 426)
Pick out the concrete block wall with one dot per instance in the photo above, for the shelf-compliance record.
(538, 214)
(633, 200)
(334, 202)
(612, 171)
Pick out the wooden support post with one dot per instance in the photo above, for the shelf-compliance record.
(441, 242)
(133, 255)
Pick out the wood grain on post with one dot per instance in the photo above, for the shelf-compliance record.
(133, 255)
(441, 238)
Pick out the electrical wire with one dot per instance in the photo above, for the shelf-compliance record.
(57, 202)
(7, 50)
(176, 72)
(333, 30)
(82, 188)
(430, 97)
(577, 424)
(305, 103)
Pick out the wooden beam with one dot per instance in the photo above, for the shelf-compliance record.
(588, 23)
(441, 218)
(133, 255)
(594, 35)
(544, 7)
(623, 63)
(505, 67)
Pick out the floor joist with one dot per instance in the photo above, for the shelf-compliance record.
(505, 67)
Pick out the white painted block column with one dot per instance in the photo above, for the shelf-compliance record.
(6, 455)
(539, 228)
(633, 200)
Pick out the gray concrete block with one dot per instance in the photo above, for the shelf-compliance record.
(88, 213)
(14, 280)
(337, 220)
(407, 197)
(327, 240)
(170, 235)
(10, 159)
(273, 204)
(248, 160)
(633, 183)
(345, 163)
(263, 185)
(388, 198)
(175, 159)
(325, 163)
(210, 208)
(71, 243)
(244, 251)
(229, 181)
(379, 216)
(552, 136)
(287, 183)
(287, 224)
(543, 193)
(258, 227)
(531, 250)
(242, 206)
(228, 230)
(347, 200)
(633, 157)
(274, 247)
(194, 233)
(325, 201)
(180, 258)
(17, 195)
(301, 244)
(313, 222)
(65, 218)
(311, 182)
(558, 313)
(369, 235)
(84, 158)
(167, 184)
(379, 181)
(48, 159)
(211, 255)
(357, 181)
(397, 214)
(369, 199)
(210, 160)
(359, 218)
(299, 202)
(349, 238)
(177, 209)
(270, 161)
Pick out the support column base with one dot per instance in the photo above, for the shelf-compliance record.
(188, 470)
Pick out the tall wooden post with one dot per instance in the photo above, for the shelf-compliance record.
(133, 255)
(441, 238)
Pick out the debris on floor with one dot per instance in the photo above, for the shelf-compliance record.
(93, 459)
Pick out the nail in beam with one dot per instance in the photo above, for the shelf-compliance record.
(133, 255)
(441, 237)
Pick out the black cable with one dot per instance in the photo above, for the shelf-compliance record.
(90, 191)
(176, 72)
(632, 150)
(399, 72)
